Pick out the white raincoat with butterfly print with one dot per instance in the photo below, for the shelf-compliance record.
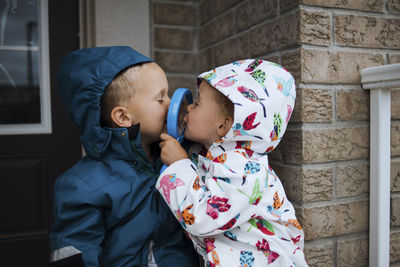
(231, 202)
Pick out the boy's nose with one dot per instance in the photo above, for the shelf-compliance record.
(190, 107)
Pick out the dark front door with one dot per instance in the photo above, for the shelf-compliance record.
(29, 163)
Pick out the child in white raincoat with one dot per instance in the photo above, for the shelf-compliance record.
(231, 202)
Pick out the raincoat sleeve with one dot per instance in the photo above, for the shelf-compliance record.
(223, 197)
(78, 220)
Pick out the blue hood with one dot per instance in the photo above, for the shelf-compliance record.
(82, 77)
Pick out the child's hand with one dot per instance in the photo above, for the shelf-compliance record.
(171, 150)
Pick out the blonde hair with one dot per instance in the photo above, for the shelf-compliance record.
(118, 93)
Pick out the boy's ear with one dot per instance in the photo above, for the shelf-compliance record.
(225, 126)
(120, 117)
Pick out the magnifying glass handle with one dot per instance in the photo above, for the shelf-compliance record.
(163, 168)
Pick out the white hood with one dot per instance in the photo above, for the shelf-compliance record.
(263, 93)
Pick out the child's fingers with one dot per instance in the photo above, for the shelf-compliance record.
(165, 136)
(165, 140)
(171, 150)
(161, 144)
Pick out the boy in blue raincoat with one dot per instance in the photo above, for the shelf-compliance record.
(106, 206)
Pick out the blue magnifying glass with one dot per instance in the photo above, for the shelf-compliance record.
(177, 111)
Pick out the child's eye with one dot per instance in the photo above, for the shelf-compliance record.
(160, 100)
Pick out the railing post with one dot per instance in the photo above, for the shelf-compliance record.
(379, 234)
(380, 80)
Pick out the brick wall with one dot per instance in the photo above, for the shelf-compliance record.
(323, 159)
(175, 40)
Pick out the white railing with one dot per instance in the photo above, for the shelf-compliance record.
(380, 80)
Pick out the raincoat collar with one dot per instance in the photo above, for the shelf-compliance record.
(125, 143)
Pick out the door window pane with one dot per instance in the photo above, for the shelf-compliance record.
(24, 85)
(19, 22)
(20, 98)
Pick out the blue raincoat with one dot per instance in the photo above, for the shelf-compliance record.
(106, 206)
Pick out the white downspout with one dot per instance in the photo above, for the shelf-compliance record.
(380, 80)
